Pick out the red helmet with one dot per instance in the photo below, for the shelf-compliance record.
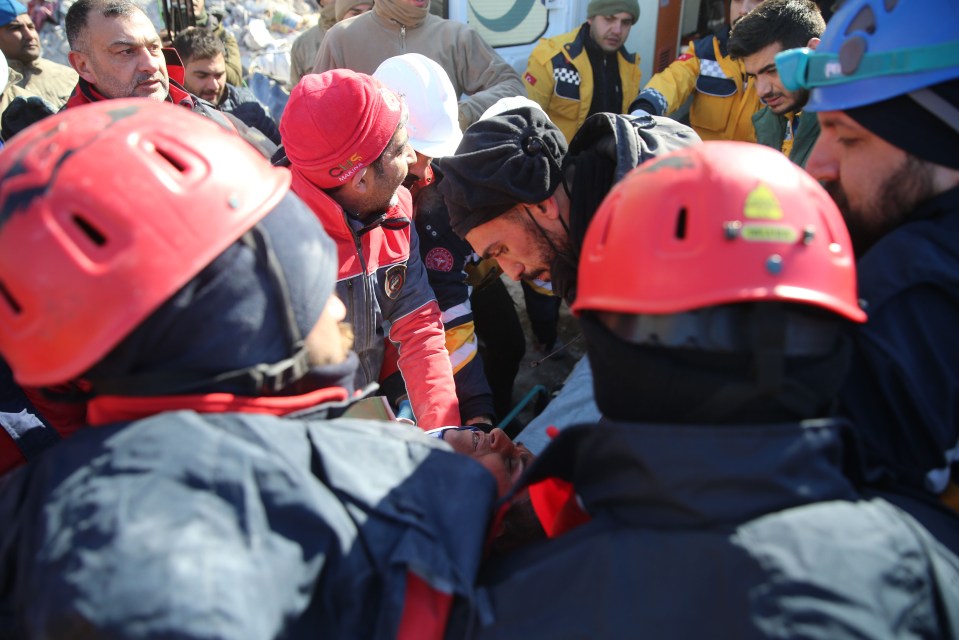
(713, 224)
(106, 211)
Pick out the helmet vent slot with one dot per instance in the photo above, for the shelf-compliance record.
(865, 20)
(90, 231)
(681, 221)
(9, 299)
(179, 165)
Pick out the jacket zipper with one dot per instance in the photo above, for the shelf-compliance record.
(367, 297)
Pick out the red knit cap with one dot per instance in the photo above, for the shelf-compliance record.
(336, 123)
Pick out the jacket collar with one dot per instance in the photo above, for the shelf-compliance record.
(21, 67)
(945, 203)
(352, 236)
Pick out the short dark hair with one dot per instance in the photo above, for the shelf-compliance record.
(791, 23)
(198, 44)
(75, 21)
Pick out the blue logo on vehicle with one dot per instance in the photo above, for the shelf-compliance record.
(509, 20)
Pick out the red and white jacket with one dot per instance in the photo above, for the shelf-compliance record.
(384, 286)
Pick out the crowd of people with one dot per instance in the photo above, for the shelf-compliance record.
(201, 307)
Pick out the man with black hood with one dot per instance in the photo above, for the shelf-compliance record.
(517, 194)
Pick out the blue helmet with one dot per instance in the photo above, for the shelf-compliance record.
(874, 50)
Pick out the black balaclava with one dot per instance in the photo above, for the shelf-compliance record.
(232, 316)
(657, 384)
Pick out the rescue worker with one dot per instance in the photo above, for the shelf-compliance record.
(723, 102)
(434, 133)
(189, 509)
(520, 197)
(884, 83)
(345, 140)
(204, 75)
(587, 70)
(213, 24)
(713, 501)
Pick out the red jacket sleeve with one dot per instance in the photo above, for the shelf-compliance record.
(425, 366)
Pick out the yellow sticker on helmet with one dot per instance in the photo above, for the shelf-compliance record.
(769, 233)
(762, 203)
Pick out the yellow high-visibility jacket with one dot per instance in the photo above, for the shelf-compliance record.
(560, 78)
(723, 102)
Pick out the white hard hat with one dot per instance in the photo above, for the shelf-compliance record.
(434, 116)
(4, 72)
(510, 103)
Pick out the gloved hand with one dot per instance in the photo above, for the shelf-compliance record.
(21, 113)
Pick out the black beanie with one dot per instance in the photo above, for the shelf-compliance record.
(904, 123)
(508, 159)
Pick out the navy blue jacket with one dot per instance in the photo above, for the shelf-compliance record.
(185, 525)
(24, 433)
(903, 390)
(729, 531)
(242, 103)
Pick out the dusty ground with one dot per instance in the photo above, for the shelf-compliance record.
(538, 370)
